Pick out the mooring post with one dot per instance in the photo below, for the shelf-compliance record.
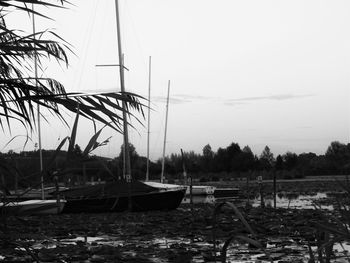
(57, 191)
(190, 177)
(262, 204)
(191, 195)
(274, 189)
(248, 201)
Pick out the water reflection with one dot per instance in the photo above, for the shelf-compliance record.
(199, 199)
(283, 200)
(294, 200)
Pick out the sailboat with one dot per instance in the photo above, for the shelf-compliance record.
(125, 194)
(196, 190)
(160, 185)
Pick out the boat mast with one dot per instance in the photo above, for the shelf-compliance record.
(149, 115)
(38, 111)
(126, 167)
(166, 126)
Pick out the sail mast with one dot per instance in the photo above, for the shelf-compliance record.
(127, 167)
(38, 111)
(149, 115)
(166, 126)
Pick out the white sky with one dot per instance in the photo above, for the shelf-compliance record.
(254, 72)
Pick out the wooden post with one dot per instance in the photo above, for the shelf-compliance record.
(261, 190)
(57, 192)
(185, 175)
(16, 177)
(191, 196)
(262, 204)
(248, 201)
(274, 189)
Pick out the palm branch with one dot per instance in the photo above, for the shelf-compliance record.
(20, 93)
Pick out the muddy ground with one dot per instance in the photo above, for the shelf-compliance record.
(182, 235)
(165, 236)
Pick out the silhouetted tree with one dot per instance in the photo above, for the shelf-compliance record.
(208, 152)
(221, 160)
(279, 163)
(234, 155)
(207, 159)
(226, 160)
(246, 159)
(338, 154)
(134, 158)
(290, 160)
(266, 159)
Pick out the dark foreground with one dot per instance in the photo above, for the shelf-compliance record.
(168, 236)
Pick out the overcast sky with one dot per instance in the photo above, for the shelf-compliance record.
(254, 72)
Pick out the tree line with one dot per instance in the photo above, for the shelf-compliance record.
(234, 161)
(227, 163)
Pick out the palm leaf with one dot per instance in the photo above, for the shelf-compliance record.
(73, 134)
(20, 92)
(93, 144)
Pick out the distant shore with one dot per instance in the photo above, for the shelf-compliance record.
(301, 185)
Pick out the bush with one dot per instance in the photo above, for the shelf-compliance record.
(203, 180)
(215, 178)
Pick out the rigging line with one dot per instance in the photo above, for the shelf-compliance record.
(102, 29)
(87, 35)
(144, 58)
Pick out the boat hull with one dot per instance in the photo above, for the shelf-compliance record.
(196, 189)
(32, 207)
(163, 200)
(157, 200)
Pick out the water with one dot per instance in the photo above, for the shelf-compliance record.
(200, 199)
(283, 200)
(294, 201)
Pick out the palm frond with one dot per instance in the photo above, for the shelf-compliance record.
(20, 92)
